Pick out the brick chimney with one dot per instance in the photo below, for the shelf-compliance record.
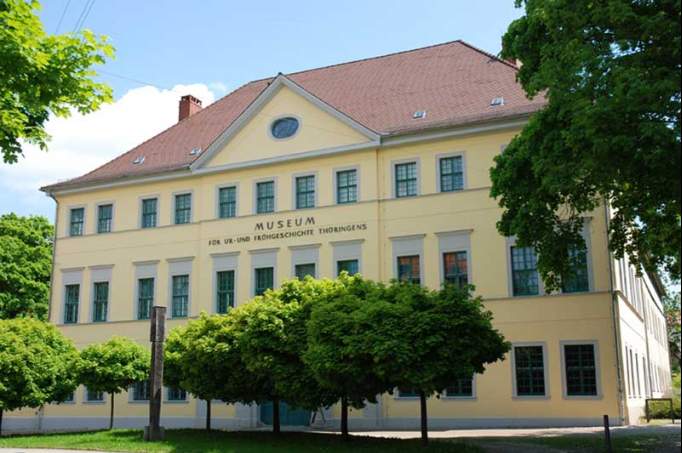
(189, 105)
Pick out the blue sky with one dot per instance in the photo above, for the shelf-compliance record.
(211, 47)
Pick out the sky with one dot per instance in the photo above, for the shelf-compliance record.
(165, 49)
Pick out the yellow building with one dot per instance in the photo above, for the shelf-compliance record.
(378, 166)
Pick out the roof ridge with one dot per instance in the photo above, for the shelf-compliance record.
(488, 54)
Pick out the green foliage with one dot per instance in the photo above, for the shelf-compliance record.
(671, 306)
(25, 266)
(43, 74)
(114, 365)
(272, 336)
(203, 358)
(610, 71)
(426, 340)
(38, 364)
(338, 358)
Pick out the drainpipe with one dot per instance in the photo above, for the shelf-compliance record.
(615, 317)
(54, 254)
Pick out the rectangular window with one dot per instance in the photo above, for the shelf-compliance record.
(461, 388)
(94, 396)
(525, 279)
(305, 192)
(180, 296)
(265, 197)
(72, 294)
(350, 266)
(70, 398)
(141, 391)
(77, 222)
(227, 202)
(407, 393)
(451, 174)
(303, 270)
(224, 291)
(581, 370)
(145, 297)
(264, 280)
(530, 370)
(578, 279)
(105, 213)
(183, 208)
(455, 268)
(176, 394)
(406, 180)
(100, 302)
(408, 269)
(149, 213)
(346, 186)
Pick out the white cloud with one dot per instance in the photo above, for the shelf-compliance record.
(81, 143)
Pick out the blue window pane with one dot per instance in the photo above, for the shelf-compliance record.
(284, 127)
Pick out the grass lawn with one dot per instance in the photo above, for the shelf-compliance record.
(631, 443)
(189, 441)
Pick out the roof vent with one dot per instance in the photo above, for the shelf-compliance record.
(138, 160)
(195, 152)
(497, 101)
(419, 114)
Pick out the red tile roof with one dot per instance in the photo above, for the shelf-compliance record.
(453, 82)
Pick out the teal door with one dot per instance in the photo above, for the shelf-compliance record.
(288, 416)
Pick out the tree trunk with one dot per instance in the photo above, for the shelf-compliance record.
(425, 429)
(344, 418)
(208, 414)
(0, 422)
(275, 416)
(111, 415)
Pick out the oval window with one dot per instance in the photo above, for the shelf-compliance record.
(284, 127)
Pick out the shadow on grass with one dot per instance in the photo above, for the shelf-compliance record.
(195, 441)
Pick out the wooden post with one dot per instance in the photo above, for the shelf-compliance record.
(607, 435)
(154, 431)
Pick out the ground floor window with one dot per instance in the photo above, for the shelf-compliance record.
(529, 369)
(407, 393)
(581, 370)
(455, 268)
(461, 388)
(350, 266)
(525, 278)
(264, 280)
(408, 269)
(176, 394)
(303, 270)
(94, 396)
(141, 391)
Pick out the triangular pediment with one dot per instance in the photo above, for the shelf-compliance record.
(250, 138)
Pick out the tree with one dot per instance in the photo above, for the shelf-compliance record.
(113, 366)
(25, 266)
(203, 358)
(271, 333)
(426, 340)
(610, 132)
(671, 305)
(37, 362)
(337, 359)
(43, 74)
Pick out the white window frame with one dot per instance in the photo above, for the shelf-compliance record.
(294, 193)
(179, 266)
(394, 182)
(223, 262)
(335, 172)
(68, 218)
(254, 198)
(597, 370)
(465, 181)
(236, 200)
(140, 205)
(174, 195)
(545, 366)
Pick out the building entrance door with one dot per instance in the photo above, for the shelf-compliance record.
(288, 416)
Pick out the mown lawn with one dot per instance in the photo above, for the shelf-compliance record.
(190, 441)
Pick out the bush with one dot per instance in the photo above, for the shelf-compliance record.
(661, 409)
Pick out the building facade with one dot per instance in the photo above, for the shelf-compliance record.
(380, 167)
